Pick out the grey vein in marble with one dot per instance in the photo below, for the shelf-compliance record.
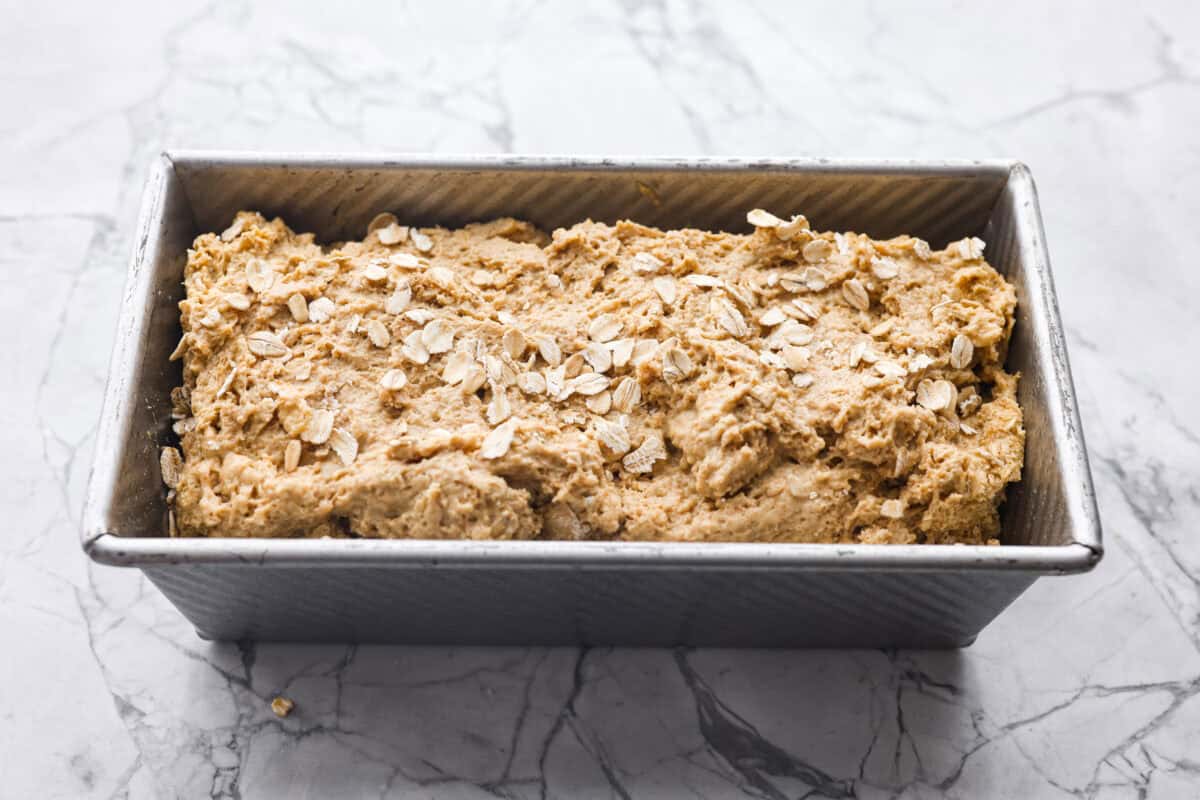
(1087, 687)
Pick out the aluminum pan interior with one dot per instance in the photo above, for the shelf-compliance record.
(1050, 520)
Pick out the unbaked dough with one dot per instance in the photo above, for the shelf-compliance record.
(599, 382)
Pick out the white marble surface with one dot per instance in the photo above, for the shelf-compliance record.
(1088, 686)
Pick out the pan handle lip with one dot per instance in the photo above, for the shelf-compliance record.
(184, 158)
(107, 548)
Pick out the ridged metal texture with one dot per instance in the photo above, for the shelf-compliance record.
(336, 202)
(638, 607)
(561, 592)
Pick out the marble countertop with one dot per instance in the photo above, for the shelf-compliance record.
(1088, 686)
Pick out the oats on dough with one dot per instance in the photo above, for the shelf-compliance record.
(599, 381)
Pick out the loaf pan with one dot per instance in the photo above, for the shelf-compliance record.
(560, 592)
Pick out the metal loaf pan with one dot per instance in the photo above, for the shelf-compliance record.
(793, 595)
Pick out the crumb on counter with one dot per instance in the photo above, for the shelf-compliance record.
(282, 706)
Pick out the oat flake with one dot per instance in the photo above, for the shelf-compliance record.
(420, 315)
(805, 310)
(612, 436)
(589, 383)
(531, 383)
(676, 365)
(815, 280)
(622, 351)
(380, 221)
(319, 427)
(443, 276)
(497, 443)
(604, 328)
(320, 310)
(642, 460)
(404, 260)
(414, 349)
(378, 333)
(729, 318)
(473, 379)
(437, 337)
(627, 395)
(790, 332)
(599, 403)
(767, 358)
(573, 365)
(400, 299)
(936, 395)
(549, 350)
(962, 351)
(763, 219)
(298, 306)
(393, 234)
(291, 455)
(647, 262)
(225, 384)
(375, 272)
(703, 281)
(343, 443)
(513, 342)
(884, 268)
(393, 380)
(792, 282)
(266, 344)
(598, 356)
(816, 251)
(772, 317)
(971, 249)
(555, 382)
(456, 367)
(795, 358)
(643, 350)
(499, 409)
(856, 294)
(260, 276)
(788, 230)
(666, 289)
(170, 464)
(420, 240)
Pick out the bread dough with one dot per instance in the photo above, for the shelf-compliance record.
(785, 385)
